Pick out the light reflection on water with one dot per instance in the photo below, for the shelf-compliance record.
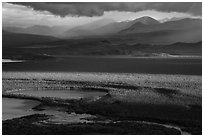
(64, 94)
(16, 108)
(10, 61)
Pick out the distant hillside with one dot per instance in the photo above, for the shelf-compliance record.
(141, 37)
(185, 30)
(12, 44)
(116, 27)
(95, 47)
(39, 30)
(86, 29)
(102, 27)
(183, 24)
(16, 39)
(144, 30)
(147, 20)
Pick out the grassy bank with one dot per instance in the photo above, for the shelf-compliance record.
(172, 99)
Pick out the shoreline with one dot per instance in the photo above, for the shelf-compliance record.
(132, 56)
(165, 94)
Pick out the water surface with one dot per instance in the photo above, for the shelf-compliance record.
(10, 60)
(186, 66)
(64, 94)
(14, 108)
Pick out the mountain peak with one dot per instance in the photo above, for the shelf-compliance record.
(147, 20)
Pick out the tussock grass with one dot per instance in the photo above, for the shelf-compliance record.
(143, 88)
(159, 98)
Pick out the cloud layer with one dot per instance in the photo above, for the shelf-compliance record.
(97, 9)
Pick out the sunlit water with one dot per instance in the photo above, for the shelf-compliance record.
(64, 94)
(10, 61)
(16, 108)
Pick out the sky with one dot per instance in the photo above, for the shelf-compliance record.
(25, 14)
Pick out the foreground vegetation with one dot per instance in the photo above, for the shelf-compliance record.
(25, 126)
(165, 99)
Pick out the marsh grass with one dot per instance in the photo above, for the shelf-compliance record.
(159, 98)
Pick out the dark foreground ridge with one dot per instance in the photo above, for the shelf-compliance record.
(27, 126)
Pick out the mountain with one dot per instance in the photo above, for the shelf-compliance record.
(60, 29)
(10, 39)
(141, 30)
(96, 24)
(116, 27)
(39, 30)
(142, 25)
(19, 46)
(183, 24)
(106, 27)
(184, 30)
(77, 33)
(14, 29)
(147, 20)
(87, 29)
(46, 30)
(27, 46)
(184, 48)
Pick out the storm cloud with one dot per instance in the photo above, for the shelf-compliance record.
(91, 9)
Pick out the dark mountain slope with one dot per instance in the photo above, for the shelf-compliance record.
(39, 30)
(185, 30)
(116, 27)
(184, 24)
(86, 29)
(16, 39)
